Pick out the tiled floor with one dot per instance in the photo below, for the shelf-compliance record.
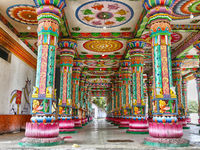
(95, 136)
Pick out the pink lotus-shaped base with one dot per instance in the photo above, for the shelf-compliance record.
(42, 130)
(124, 123)
(117, 120)
(160, 130)
(188, 120)
(77, 123)
(66, 124)
(138, 124)
(199, 121)
(83, 121)
(183, 122)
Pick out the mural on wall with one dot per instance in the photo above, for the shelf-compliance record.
(20, 102)
(104, 13)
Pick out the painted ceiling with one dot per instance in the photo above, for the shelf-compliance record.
(102, 28)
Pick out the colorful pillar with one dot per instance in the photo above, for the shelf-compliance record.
(164, 131)
(43, 102)
(126, 93)
(184, 98)
(85, 102)
(197, 75)
(66, 124)
(76, 70)
(81, 94)
(116, 93)
(149, 82)
(177, 81)
(139, 123)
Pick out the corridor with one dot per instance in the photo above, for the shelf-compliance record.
(96, 135)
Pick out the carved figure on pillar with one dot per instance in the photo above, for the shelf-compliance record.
(67, 52)
(139, 123)
(43, 102)
(164, 102)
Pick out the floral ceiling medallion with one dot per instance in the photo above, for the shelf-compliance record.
(109, 13)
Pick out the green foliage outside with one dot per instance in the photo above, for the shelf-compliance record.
(192, 106)
(100, 101)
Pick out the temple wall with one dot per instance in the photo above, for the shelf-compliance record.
(13, 77)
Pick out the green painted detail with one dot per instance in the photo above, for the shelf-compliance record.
(48, 16)
(78, 127)
(68, 132)
(186, 127)
(117, 124)
(50, 66)
(116, 34)
(120, 19)
(87, 12)
(75, 34)
(165, 144)
(198, 124)
(142, 27)
(84, 124)
(185, 51)
(112, 123)
(95, 34)
(185, 30)
(131, 132)
(40, 144)
(123, 127)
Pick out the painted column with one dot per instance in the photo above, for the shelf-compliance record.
(113, 101)
(126, 93)
(66, 124)
(184, 98)
(76, 70)
(197, 75)
(164, 102)
(149, 82)
(177, 81)
(116, 93)
(81, 94)
(43, 102)
(85, 101)
(139, 123)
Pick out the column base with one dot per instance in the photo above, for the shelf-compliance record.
(38, 142)
(124, 127)
(137, 131)
(67, 131)
(186, 127)
(198, 124)
(116, 124)
(166, 142)
(78, 127)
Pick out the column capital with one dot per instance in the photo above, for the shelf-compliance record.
(56, 3)
(136, 43)
(124, 63)
(77, 63)
(149, 4)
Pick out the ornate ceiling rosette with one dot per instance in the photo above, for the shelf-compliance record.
(103, 45)
(182, 9)
(109, 13)
(25, 14)
(101, 63)
(175, 37)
